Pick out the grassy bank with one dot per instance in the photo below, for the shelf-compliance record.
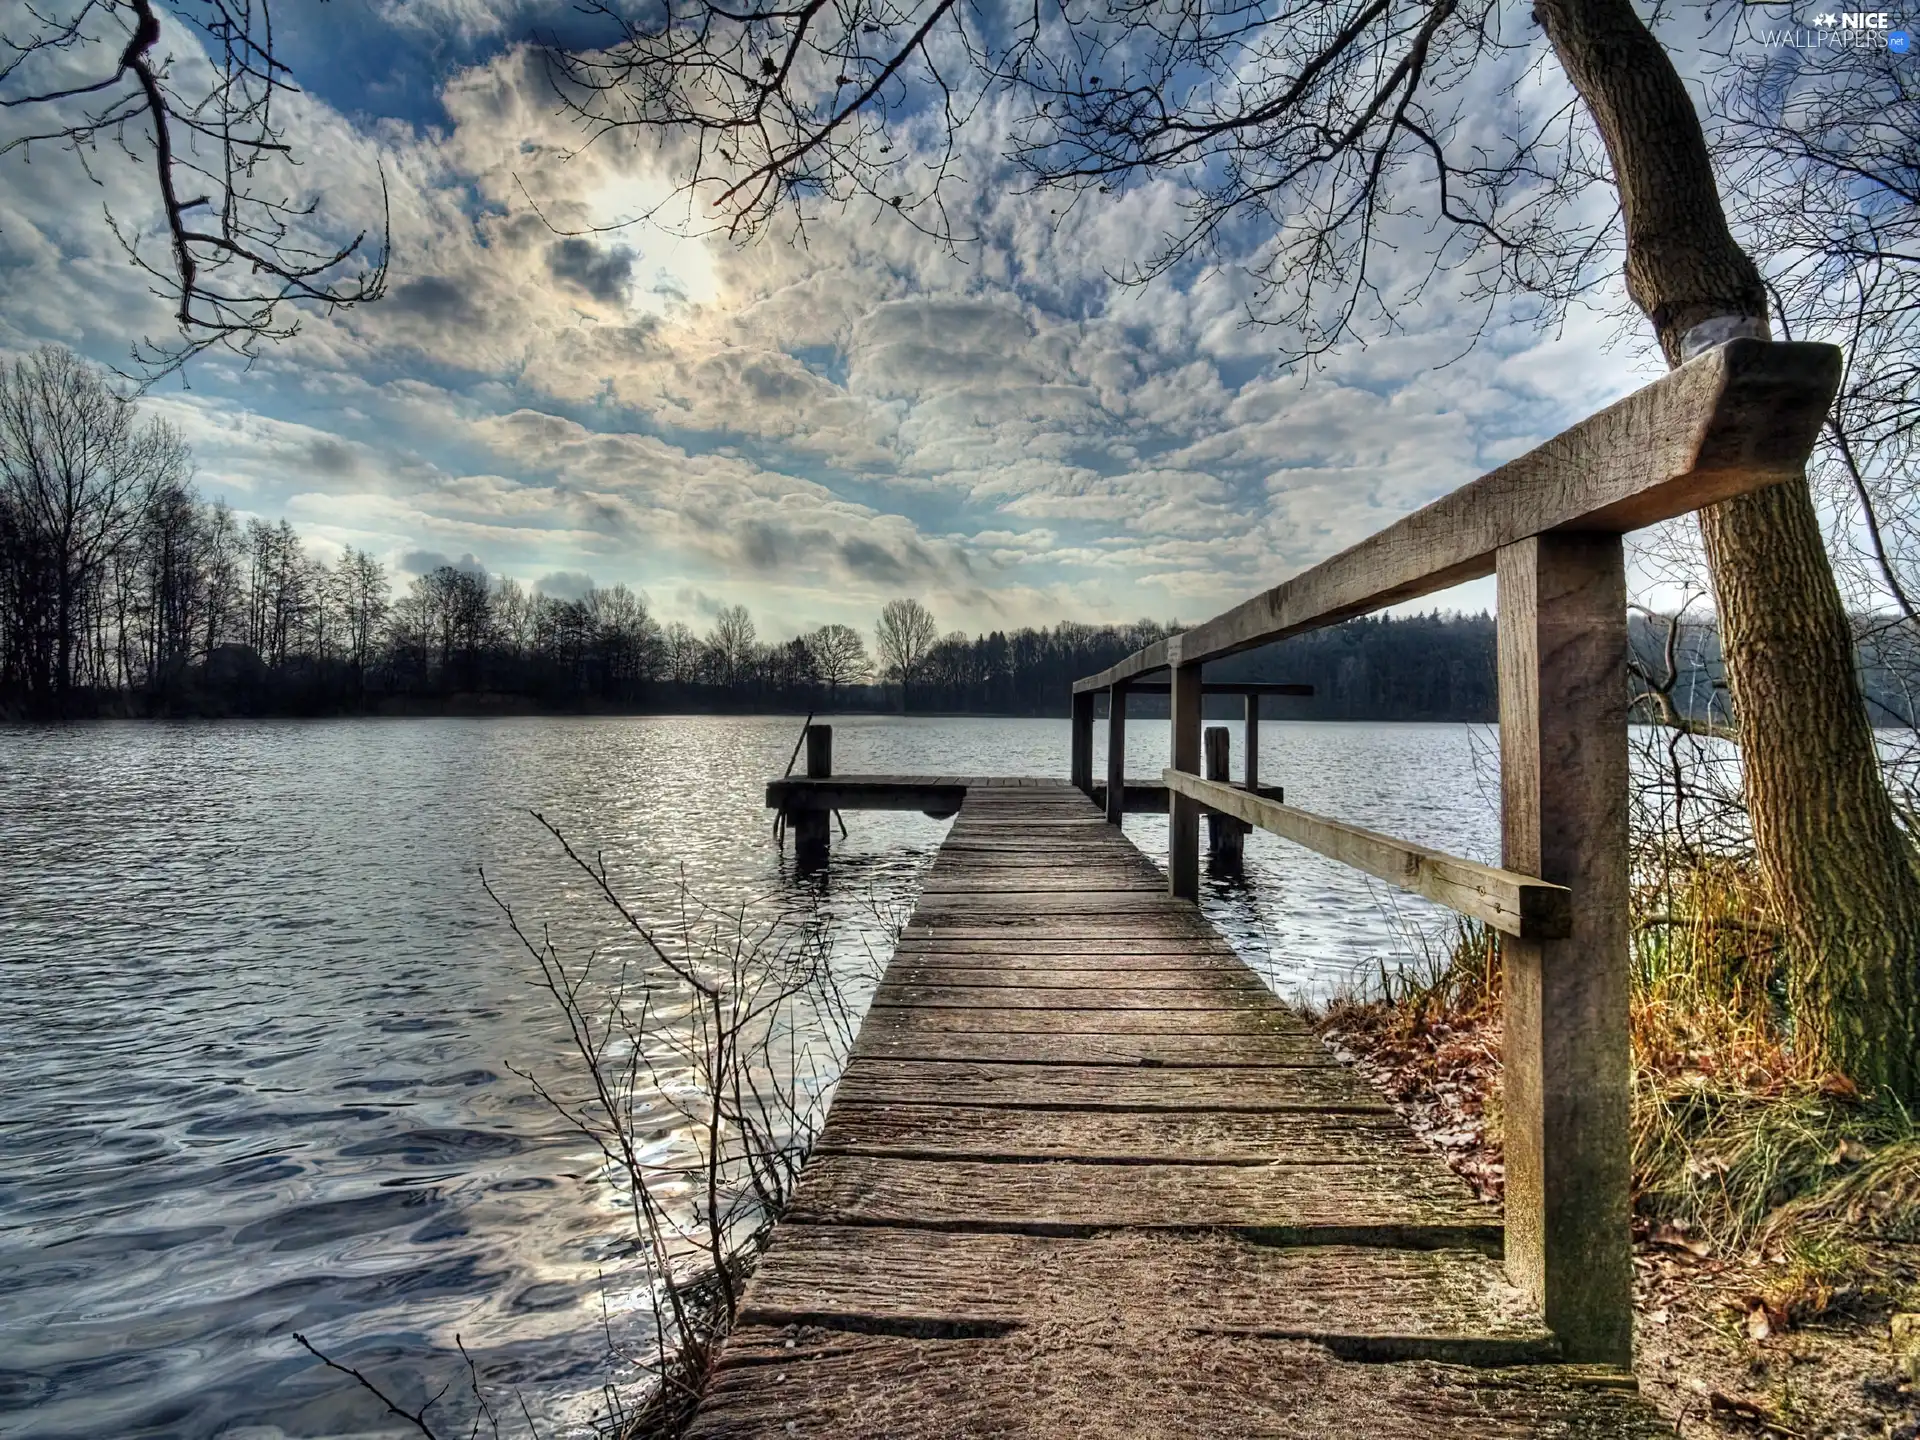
(1776, 1207)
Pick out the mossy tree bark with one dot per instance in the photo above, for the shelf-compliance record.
(1836, 865)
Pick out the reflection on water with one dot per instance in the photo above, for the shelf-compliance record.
(262, 1024)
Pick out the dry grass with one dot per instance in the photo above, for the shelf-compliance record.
(1777, 1209)
(1738, 1143)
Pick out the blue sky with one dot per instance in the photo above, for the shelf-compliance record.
(806, 428)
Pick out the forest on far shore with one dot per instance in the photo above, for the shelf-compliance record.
(124, 593)
(196, 613)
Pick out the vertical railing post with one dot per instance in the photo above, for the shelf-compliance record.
(1081, 767)
(1183, 814)
(1563, 777)
(1226, 836)
(1116, 752)
(812, 827)
(1253, 743)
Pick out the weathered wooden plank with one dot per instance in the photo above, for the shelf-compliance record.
(1038, 906)
(1740, 417)
(1563, 771)
(1154, 971)
(1121, 948)
(1192, 995)
(1011, 887)
(1071, 930)
(1515, 904)
(1141, 662)
(965, 1132)
(864, 792)
(1056, 1051)
(1452, 1304)
(965, 972)
(1391, 1200)
(1109, 1379)
(1183, 817)
(1224, 687)
(1248, 1022)
(1083, 928)
(1311, 1085)
(1080, 765)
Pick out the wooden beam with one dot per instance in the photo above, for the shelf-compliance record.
(1224, 687)
(1740, 417)
(1116, 752)
(1080, 763)
(1183, 817)
(1226, 835)
(1141, 662)
(1511, 903)
(798, 796)
(811, 833)
(1563, 790)
(1253, 743)
(1149, 797)
(1136, 798)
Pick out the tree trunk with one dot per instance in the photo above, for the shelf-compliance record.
(1837, 867)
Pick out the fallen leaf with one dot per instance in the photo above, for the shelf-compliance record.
(1839, 1087)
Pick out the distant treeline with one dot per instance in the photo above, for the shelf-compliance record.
(123, 592)
(128, 594)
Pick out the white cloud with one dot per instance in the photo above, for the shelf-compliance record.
(811, 427)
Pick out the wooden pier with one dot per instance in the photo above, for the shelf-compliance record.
(1086, 1177)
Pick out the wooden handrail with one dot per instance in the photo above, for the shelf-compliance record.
(1514, 904)
(1737, 418)
(1222, 687)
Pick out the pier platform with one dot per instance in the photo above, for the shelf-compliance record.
(1085, 1176)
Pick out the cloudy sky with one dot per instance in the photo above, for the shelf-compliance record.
(807, 425)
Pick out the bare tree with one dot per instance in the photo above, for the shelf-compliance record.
(242, 245)
(731, 643)
(628, 637)
(361, 584)
(76, 477)
(839, 657)
(680, 653)
(1315, 138)
(905, 637)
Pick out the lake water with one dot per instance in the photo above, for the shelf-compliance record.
(262, 1024)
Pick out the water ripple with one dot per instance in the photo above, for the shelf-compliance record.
(262, 1025)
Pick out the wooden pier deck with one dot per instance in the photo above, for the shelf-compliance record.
(1086, 1177)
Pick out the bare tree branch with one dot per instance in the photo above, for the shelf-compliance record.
(243, 251)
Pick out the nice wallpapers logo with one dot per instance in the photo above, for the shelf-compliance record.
(1845, 30)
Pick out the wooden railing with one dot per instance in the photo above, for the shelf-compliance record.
(1548, 525)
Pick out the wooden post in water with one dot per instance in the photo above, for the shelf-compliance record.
(1563, 790)
(1116, 753)
(1226, 835)
(1081, 771)
(1253, 743)
(1183, 813)
(811, 827)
